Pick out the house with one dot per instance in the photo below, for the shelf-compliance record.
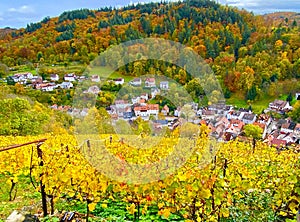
(119, 81)
(46, 87)
(223, 121)
(136, 82)
(235, 115)
(278, 143)
(288, 127)
(194, 106)
(164, 85)
(165, 110)
(265, 119)
(208, 114)
(235, 127)
(128, 114)
(141, 111)
(93, 90)
(199, 112)
(82, 78)
(54, 77)
(249, 118)
(84, 112)
(159, 124)
(138, 100)
(95, 78)
(150, 83)
(36, 80)
(71, 77)
(280, 106)
(218, 132)
(154, 91)
(121, 103)
(22, 77)
(289, 138)
(220, 108)
(173, 124)
(145, 96)
(121, 108)
(74, 112)
(66, 85)
(147, 110)
(297, 130)
(177, 112)
(153, 109)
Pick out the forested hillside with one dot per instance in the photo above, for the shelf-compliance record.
(250, 54)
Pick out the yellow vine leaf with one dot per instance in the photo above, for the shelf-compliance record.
(92, 206)
(131, 209)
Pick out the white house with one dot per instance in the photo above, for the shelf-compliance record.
(288, 127)
(71, 77)
(84, 111)
(82, 78)
(154, 91)
(95, 78)
(141, 111)
(147, 110)
(177, 112)
(297, 130)
(164, 85)
(22, 77)
(208, 114)
(136, 82)
(93, 90)
(145, 96)
(66, 85)
(150, 82)
(235, 115)
(54, 77)
(280, 105)
(47, 87)
(165, 110)
(249, 118)
(119, 81)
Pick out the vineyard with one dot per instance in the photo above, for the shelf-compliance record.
(231, 181)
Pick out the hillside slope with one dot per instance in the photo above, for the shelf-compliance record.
(247, 54)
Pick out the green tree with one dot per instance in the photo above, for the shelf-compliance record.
(295, 113)
(254, 132)
(289, 97)
(18, 117)
(10, 81)
(251, 93)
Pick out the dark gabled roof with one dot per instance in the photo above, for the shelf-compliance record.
(244, 110)
(292, 126)
(249, 116)
(161, 121)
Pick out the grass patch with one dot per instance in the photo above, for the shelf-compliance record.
(238, 100)
(26, 196)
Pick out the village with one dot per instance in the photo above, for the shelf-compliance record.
(226, 122)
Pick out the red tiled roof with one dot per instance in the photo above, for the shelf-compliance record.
(278, 142)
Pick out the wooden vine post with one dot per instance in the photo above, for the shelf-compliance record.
(42, 186)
